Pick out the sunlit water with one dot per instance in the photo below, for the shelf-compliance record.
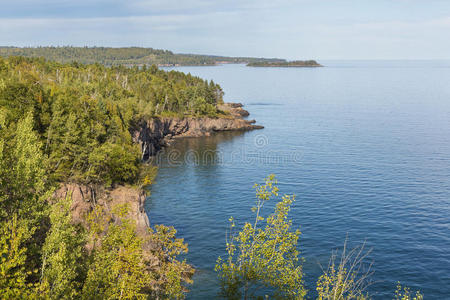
(365, 146)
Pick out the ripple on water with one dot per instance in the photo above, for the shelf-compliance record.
(366, 150)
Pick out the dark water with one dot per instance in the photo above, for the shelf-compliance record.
(365, 146)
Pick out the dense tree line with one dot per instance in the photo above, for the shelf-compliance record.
(83, 113)
(130, 56)
(295, 63)
(107, 56)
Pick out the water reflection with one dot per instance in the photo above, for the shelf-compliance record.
(186, 158)
(201, 151)
(208, 151)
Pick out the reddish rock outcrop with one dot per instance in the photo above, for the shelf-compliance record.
(84, 199)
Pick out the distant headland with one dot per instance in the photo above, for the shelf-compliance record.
(295, 64)
(139, 57)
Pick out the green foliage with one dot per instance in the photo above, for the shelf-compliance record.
(83, 115)
(405, 294)
(23, 195)
(22, 181)
(202, 107)
(263, 255)
(123, 261)
(82, 137)
(13, 255)
(263, 260)
(347, 278)
(147, 175)
(130, 56)
(119, 268)
(64, 255)
(113, 163)
(172, 274)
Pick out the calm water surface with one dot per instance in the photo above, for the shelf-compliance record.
(365, 146)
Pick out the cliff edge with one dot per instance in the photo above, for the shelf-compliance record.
(157, 132)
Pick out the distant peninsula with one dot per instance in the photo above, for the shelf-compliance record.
(139, 57)
(294, 64)
(126, 56)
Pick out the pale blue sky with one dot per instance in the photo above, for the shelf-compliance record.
(296, 29)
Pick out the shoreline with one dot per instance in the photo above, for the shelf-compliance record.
(156, 133)
(281, 66)
(152, 135)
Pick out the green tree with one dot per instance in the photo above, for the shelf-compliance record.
(128, 265)
(63, 256)
(346, 277)
(13, 256)
(113, 163)
(173, 274)
(118, 270)
(202, 107)
(23, 181)
(263, 255)
(23, 195)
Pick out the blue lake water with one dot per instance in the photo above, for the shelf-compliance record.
(365, 146)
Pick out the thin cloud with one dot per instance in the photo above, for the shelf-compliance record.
(290, 29)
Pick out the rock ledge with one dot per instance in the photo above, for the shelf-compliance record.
(157, 132)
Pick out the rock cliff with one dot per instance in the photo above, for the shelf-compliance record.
(156, 133)
(84, 198)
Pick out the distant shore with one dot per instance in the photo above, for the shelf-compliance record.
(289, 64)
(141, 57)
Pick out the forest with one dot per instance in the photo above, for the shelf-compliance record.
(129, 56)
(71, 123)
(83, 113)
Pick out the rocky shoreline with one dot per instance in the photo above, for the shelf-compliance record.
(154, 134)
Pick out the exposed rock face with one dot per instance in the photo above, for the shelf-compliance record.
(156, 133)
(235, 109)
(84, 199)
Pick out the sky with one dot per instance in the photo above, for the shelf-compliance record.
(295, 29)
